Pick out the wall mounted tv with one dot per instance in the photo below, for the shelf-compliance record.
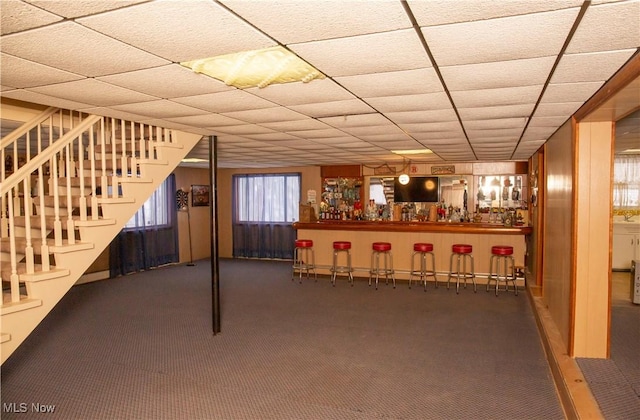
(422, 189)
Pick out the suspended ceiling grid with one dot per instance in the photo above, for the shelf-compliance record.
(471, 80)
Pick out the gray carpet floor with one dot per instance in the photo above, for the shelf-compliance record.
(615, 382)
(141, 347)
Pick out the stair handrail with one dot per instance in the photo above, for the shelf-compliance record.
(28, 125)
(41, 158)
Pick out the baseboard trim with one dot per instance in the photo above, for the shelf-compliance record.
(91, 277)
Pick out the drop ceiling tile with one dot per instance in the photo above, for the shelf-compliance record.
(365, 54)
(160, 109)
(296, 125)
(374, 129)
(421, 102)
(426, 127)
(184, 82)
(77, 8)
(40, 98)
(557, 109)
(494, 97)
(239, 130)
(572, 92)
(484, 134)
(331, 19)
(299, 93)
(18, 16)
(113, 113)
(456, 134)
(408, 82)
(20, 73)
(503, 39)
(265, 115)
(605, 27)
(430, 13)
(58, 46)
(526, 72)
(228, 101)
(188, 30)
(409, 117)
(161, 122)
(381, 139)
(337, 141)
(400, 145)
(329, 109)
(495, 123)
(355, 120)
(547, 121)
(496, 112)
(298, 144)
(206, 120)
(538, 133)
(92, 92)
(272, 137)
(317, 134)
(590, 67)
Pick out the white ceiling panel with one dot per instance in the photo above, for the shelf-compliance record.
(422, 102)
(299, 93)
(331, 19)
(409, 82)
(93, 92)
(381, 90)
(494, 97)
(18, 16)
(40, 98)
(527, 72)
(495, 112)
(160, 109)
(184, 82)
(265, 115)
(228, 101)
(19, 73)
(365, 54)
(605, 27)
(589, 67)
(505, 39)
(430, 13)
(206, 120)
(203, 29)
(571, 92)
(58, 46)
(330, 109)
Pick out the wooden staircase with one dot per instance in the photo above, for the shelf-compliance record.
(68, 185)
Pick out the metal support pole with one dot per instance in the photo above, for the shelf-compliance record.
(215, 272)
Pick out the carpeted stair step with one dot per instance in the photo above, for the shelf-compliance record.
(37, 275)
(25, 303)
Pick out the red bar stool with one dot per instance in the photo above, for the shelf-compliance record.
(341, 247)
(304, 259)
(422, 250)
(381, 248)
(462, 252)
(502, 255)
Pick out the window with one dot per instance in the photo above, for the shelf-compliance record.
(266, 198)
(626, 181)
(155, 211)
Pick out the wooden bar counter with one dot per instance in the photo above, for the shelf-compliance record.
(402, 236)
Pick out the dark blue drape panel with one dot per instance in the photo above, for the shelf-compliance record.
(138, 249)
(263, 240)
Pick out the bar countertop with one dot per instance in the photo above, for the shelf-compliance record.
(414, 226)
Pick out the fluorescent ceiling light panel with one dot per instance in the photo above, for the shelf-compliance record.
(412, 152)
(258, 68)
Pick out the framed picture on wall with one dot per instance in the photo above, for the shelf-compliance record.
(199, 195)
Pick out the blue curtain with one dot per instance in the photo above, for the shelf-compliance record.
(151, 236)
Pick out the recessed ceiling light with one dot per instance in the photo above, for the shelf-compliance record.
(257, 68)
(632, 151)
(194, 160)
(412, 152)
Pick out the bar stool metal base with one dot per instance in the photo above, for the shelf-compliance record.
(423, 250)
(304, 260)
(341, 247)
(386, 271)
(502, 257)
(465, 255)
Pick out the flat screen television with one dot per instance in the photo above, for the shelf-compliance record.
(423, 189)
